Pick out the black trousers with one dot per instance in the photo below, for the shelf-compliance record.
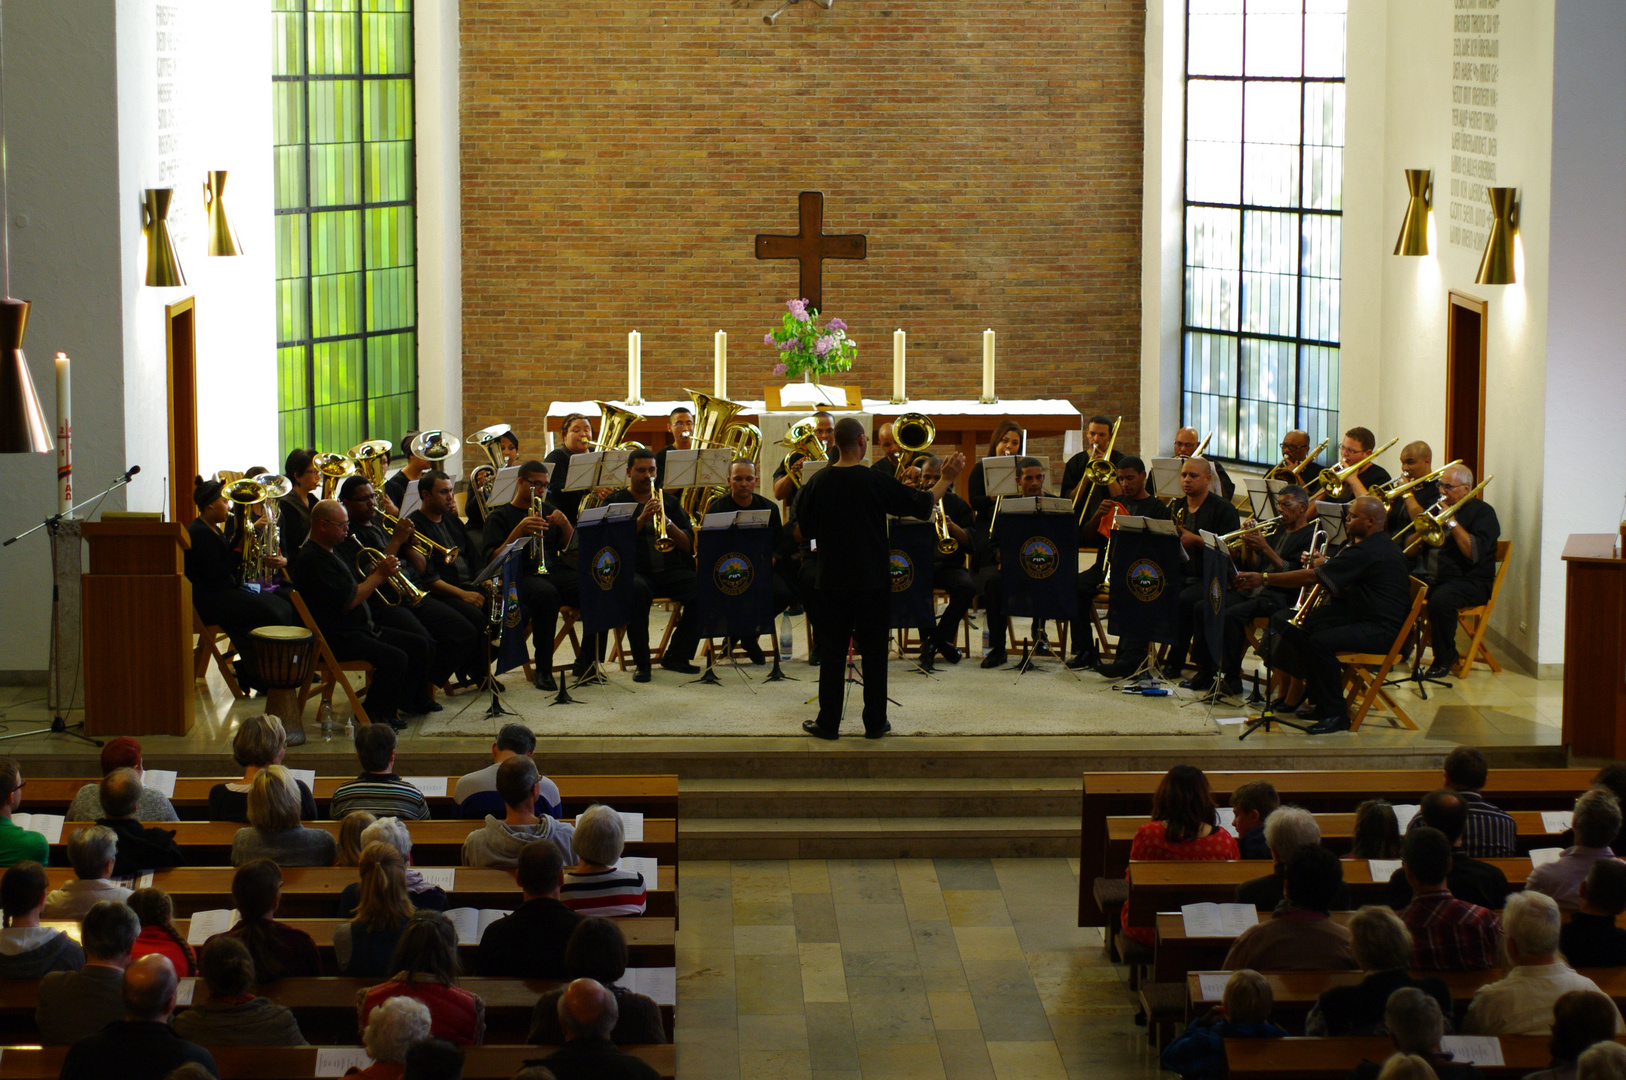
(1444, 601)
(1090, 581)
(1310, 652)
(404, 620)
(993, 607)
(237, 612)
(678, 585)
(862, 617)
(1132, 652)
(954, 579)
(807, 580)
(395, 656)
(1240, 611)
(456, 628)
(540, 597)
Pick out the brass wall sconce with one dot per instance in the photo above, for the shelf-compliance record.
(222, 237)
(22, 422)
(163, 268)
(1414, 228)
(1497, 265)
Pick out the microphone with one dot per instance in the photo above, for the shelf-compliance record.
(132, 471)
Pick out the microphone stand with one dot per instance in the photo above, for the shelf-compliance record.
(59, 724)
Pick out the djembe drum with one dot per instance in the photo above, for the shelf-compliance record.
(286, 655)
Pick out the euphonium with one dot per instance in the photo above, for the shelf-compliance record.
(1429, 526)
(372, 460)
(1331, 481)
(914, 433)
(401, 590)
(539, 549)
(612, 436)
(1398, 488)
(426, 546)
(276, 486)
(242, 494)
(334, 468)
(663, 539)
(803, 438)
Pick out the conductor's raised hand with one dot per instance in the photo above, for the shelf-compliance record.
(952, 466)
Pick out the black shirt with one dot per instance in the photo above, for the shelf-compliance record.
(1358, 1009)
(1370, 477)
(1593, 941)
(133, 1050)
(328, 583)
(959, 511)
(294, 521)
(142, 848)
(1291, 546)
(558, 463)
(845, 510)
(1469, 879)
(649, 560)
(1215, 514)
(1370, 581)
(1476, 516)
(211, 562)
(595, 1059)
(1147, 506)
(1426, 495)
(500, 526)
(725, 504)
(228, 805)
(529, 943)
(1074, 472)
(448, 532)
(976, 491)
(373, 535)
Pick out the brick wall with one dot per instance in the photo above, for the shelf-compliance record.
(618, 159)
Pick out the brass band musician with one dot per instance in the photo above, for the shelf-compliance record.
(667, 573)
(1186, 444)
(1006, 442)
(1357, 444)
(1097, 435)
(742, 495)
(1460, 572)
(1135, 501)
(680, 425)
(436, 517)
(1030, 484)
(949, 571)
(1416, 461)
(395, 487)
(294, 508)
(784, 487)
(886, 450)
(543, 586)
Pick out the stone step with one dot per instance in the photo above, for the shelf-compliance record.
(882, 797)
(878, 838)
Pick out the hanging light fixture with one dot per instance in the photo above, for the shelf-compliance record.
(1414, 229)
(22, 421)
(163, 268)
(1497, 265)
(222, 237)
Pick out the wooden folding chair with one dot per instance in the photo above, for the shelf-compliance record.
(568, 617)
(330, 670)
(1476, 619)
(209, 638)
(656, 652)
(909, 636)
(1364, 673)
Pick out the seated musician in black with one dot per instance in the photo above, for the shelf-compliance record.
(949, 572)
(1284, 550)
(886, 451)
(1186, 443)
(1357, 444)
(784, 485)
(1416, 460)
(1030, 482)
(659, 573)
(540, 594)
(1369, 595)
(742, 495)
(436, 517)
(474, 504)
(1097, 434)
(680, 425)
(214, 567)
(294, 508)
(453, 627)
(1461, 571)
(1132, 500)
(1006, 442)
(395, 487)
(339, 606)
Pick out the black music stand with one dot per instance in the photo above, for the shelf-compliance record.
(1267, 715)
(498, 601)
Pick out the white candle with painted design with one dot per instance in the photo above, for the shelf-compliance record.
(64, 434)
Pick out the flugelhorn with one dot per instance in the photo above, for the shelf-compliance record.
(400, 589)
(1399, 487)
(1429, 526)
(334, 468)
(1257, 528)
(427, 547)
(1330, 483)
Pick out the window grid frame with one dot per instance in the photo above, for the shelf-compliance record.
(1238, 396)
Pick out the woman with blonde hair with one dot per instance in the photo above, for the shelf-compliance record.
(363, 946)
(350, 830)
(259, 743)
(424, 895)
(274, 830)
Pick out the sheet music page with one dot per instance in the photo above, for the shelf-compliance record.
(1404, 812)
(1482, 1050)
(811, 468)
(503, 488)
(466, 921)
(1227, 819)
(1382, 869)
(410, 500)
(1166, 474)
(206, 924)
(144, 881)
(1051, 504)
(632, 825)
(753, 519)
(1211, 984)
(1542, 856)
(489, 916)
(47, 825)
(712, 468)
(161, 781)
(444, 877)
(1201, 920)
(431, 786)
(305, 776)
(184, 989)
(682, 470)
(624, 511)
(1016, 504)
(657, 983)
(1556, 821)
(583, 471)
(338, 1060)
(612, 471)
(645, 866)
(720, 520)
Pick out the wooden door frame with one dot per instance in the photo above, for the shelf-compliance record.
(1480, 308)
(181, 366)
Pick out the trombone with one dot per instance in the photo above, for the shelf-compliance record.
(663, 538)
(425, 546)
(1330, 483)
(1398, 488)
(401, 589)
(1203, 445)
(914, 433)
(1284, 471)
(1429, 526)
(1097, 471)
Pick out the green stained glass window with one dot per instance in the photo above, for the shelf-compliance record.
(1263, 222)
(346, 291)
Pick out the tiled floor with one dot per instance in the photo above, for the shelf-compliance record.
(876, 969)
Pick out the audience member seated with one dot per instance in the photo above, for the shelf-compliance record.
(17, 844)
(1416, 1025)
(1591, 938)
(142, 1046)
(233, 1015)
(1469, 879)
(27, 949)
(587, 1016)
(1605, 1061)
(92, 852)
(476, 792)
(278, 950)
(364, 945)
(1580, 1019)
(1286, 832)
(598, 951)
(73, 1004)
(1377, 831)
(274, 830)
(1597, 820)
(396, 1026)
(1489, 832)
(1300, 936)
(378, 789)
(530, 942)
(1243, 1013)
(1382, 947)
(597, 885)
(1252, 803)
(259, 743)
(1612, 777)
(1407, 1067)
(500, 840)
(121, 753)
(1447, 934)
(1184, 827)
(1521, 1001)
(393, 831)
(158, 933)
(350, 843)
(141, 847)
(426, 968)
(433, 1059)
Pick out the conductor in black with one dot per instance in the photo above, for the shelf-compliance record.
(843, 510)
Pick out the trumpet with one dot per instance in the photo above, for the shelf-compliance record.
(538, 545)
(1256, 528)
(427, 547)
(1282, 470)
(401, 590)
(1311, 595)
(803, 438)
(1429, 526)
(1331, 481)
(663, 538)
(334, 468)
(946, 544)
(1096, 471)
(1398, 488)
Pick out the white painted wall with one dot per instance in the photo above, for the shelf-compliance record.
(1163, 190)
(440, 258)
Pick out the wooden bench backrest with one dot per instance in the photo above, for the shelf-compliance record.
(299, 1062)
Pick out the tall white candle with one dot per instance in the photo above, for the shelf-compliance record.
(635, 368)
(64, 435)
(719, 378)
(988, 367)
(898, 397)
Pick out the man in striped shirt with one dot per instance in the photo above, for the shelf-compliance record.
(1490, 832)
(1447, 934)
(378, 790)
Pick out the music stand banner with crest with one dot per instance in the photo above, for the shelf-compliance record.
(734, 593)
(1038, 560)
(909, 565)
(1146, 580)
(608, 547)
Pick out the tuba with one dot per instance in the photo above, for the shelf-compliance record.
(244, 493)
(803, 438)
(334, 468)
(612, 436)
(372, 460)
(914, 433)
(401, 589)
(716, 429)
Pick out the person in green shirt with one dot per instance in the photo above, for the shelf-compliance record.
(16, 844)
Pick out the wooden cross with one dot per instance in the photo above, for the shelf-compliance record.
(811, 246)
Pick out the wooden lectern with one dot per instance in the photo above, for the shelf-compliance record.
(137, 612)
(1594, 647)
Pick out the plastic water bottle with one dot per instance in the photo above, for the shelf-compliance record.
(324, 717)
(784, 636)
(985, 641)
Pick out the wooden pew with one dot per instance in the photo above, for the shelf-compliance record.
(1176, 953)
(653, 796)
(1296, 991)
(1332, 1059)
(312, 892)
(299, 1062)
(1130, 793)
(434, 843)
